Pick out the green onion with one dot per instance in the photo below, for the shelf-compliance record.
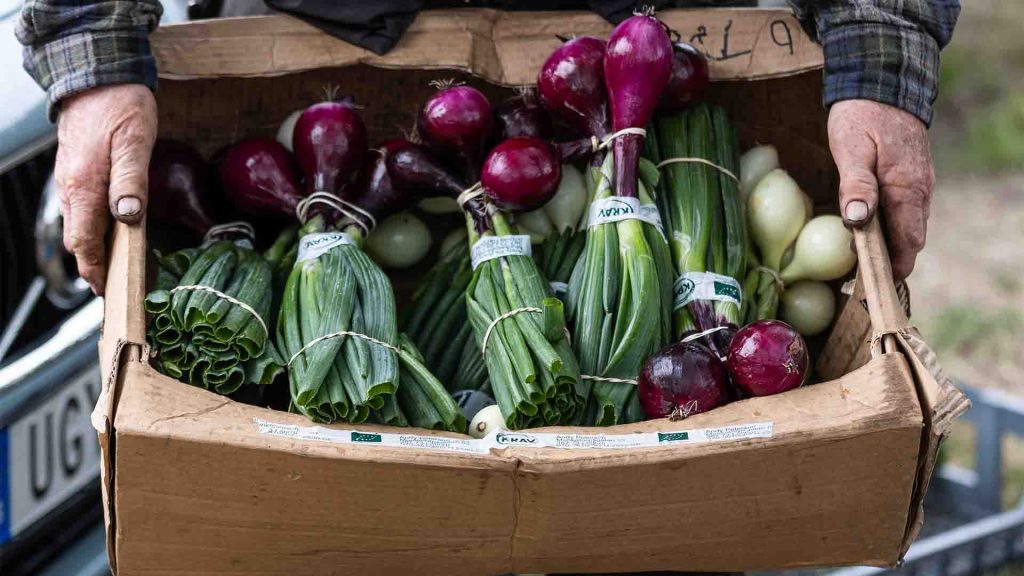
(422, 397)
(438, 324)
(338, 327)
(520, 329)
(729, 244)
(703, 211)
(203, 338)
(618, 301)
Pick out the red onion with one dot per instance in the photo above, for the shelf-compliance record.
(521, 174)
(690, 78)
(179, 187)
(767, 357)
(329, 140)
(456, 121)
(260, 178)
(413, 168)
(521, 117)
(575, 151)
(571, 85)
(637, 66)
(375, 192)
(681, 380)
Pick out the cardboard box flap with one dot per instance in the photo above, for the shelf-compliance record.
(505, 48)
(942, 403)
(124, 322)
(122, 340)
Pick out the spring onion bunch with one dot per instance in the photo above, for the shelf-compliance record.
(336, 327)
(438, 324)
(703, 210)
(619, 290)
(216, 340)
(518, 327)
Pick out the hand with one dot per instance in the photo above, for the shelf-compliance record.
(105, 138)
(882, 149)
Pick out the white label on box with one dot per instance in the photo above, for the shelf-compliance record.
(507, 438)
(312, 246)
(692, 286)
(465, 445)
(491, 247)
(616, 208)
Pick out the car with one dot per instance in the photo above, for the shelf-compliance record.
(51, 518)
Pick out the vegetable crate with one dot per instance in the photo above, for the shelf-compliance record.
(829, 474)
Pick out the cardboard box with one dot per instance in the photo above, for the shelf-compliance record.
(829, 474)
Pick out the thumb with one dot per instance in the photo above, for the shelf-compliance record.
(856, 157)
(131, 146)
(858, 195)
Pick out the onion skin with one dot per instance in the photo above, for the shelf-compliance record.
(330, 142)
(571, 85)
(487, 420)
(637, 66)
(575, 151)
(179, 187)
(521, 174)
(689, 78)
(521, 117)
(457, 122)
(287, 129)
(775, 215)
(399, 241)
(681, 380)
(375, 192)
(413, 168)
(822, 251)
(755, 164)
(260, 178)
(808, 306)
(767, 357)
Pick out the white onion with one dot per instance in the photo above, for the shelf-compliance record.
(754, 164)
(284, 133)
(566, 208)
(808, 306)
(822, 251)
(439, 205)
(787, 256)
(485, 421)
(535, 223)
(399, 241)
(453, 238)
(775, 215)
(809, 205)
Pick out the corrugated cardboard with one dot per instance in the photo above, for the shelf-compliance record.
(193, 486)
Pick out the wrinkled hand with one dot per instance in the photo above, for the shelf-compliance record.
(883, 151)
(105, 138)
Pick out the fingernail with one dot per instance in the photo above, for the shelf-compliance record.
(856, 211)
(130, 206)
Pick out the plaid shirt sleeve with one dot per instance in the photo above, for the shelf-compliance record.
(74, 45)
(881, 50)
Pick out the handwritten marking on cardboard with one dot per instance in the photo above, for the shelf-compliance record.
(722, 47)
